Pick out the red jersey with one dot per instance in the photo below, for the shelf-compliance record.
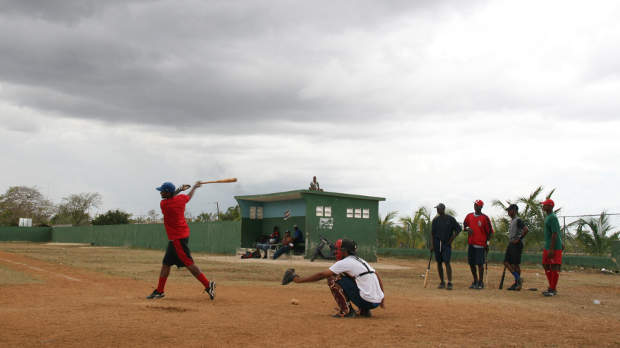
(174, 216)
(481, 229)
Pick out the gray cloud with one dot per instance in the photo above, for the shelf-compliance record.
(192, 63)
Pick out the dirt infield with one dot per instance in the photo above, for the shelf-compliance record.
(71, 295)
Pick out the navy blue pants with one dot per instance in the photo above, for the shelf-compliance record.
(353, 293)
(445, 253)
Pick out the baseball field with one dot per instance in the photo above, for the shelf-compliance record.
(78, 295)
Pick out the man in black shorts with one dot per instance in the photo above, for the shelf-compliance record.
(444, 229)
(516, 233)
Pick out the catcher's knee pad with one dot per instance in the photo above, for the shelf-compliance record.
(338, 293)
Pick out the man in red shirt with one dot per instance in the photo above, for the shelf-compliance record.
(479, 229)
(173, 208)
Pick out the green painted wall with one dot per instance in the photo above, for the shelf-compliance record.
(250, 231)
(26, 234)
(214, 237)
(498, 257)
(363, 231)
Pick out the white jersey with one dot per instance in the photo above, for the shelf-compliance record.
(368, 283)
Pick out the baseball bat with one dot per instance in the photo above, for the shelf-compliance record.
(428, 269)
(222, 181)
(501, 282)
(486, 264)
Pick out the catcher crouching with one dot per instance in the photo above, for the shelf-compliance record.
(350, 279)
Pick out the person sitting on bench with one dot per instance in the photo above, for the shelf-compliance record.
(287, 245)
(298, 240)
(274, 238)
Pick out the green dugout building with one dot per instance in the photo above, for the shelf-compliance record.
(331, 214)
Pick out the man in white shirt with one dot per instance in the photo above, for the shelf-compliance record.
(351, 279)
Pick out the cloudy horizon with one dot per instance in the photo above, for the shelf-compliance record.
(418, 102)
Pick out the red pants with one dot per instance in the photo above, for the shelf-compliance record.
(555, 260)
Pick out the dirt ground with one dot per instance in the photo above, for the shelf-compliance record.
(76, 295)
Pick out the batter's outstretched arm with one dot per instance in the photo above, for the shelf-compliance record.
(191, 192)
(315, 277)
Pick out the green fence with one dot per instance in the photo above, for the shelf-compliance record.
(213, 237)
(26, 234)
(498, 257)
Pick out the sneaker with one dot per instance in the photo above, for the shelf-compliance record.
(474, 285)
(550, 293)
(480, 285)
(513, 287)
(449, 287)
(155, 294)
(211, 290)
(519, 284)
(441, 285)
(351, 314)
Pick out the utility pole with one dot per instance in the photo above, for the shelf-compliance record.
(217, 205)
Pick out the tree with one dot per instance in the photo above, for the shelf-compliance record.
(152, 217)
(24, 202)
(112, 217)
(386, 236)
(596, 234)
(418, 227)
(231, 214)
(76, 207)
(532, 214)
(206, 217)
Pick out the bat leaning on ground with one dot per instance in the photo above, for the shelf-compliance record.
(222, 181)
(501, 282)
(428, 269)
(181, 189)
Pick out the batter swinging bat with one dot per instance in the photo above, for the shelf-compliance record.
(428, 269)
(222, 181)
(501, 282)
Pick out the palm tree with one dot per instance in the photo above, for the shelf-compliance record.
(385, 234)
(418, 227)
(595, 234)
(531, 213)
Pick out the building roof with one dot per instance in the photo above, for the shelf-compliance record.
(298, 194)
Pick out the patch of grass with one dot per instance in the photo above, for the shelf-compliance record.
(10, 276)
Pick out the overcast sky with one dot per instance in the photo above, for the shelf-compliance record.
(417, 101)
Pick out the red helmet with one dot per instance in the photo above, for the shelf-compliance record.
(345, 244)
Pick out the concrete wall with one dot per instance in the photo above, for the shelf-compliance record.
(363, 231)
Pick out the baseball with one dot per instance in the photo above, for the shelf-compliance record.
(294, 301)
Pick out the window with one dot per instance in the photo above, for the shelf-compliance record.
(259, 213)
(327, 211)
(366, 213)
(350, 212)
(319, 210)
(358, 213)
(252, 213)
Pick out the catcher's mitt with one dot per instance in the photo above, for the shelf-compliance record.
(289, 275)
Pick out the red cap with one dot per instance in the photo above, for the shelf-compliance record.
(479, 203)
(548, 202)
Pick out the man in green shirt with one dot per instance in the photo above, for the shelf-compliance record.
(552, 253)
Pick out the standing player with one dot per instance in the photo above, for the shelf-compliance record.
(350, 279)
(173, 209)
(479, 228)
(552, 253)
(444, 230)
(516, 233)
